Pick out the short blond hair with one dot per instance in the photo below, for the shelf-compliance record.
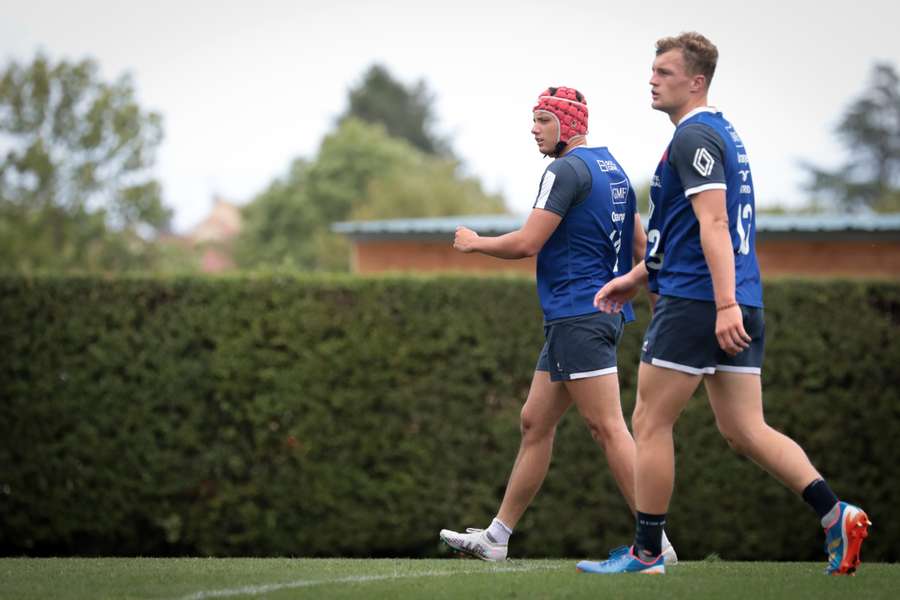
(700, 54)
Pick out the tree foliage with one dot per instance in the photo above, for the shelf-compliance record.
(76, 188)
(360, 172)
(407, 112)
(870, 129)
(434, 188)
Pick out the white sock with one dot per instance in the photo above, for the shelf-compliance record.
(499, 531)
(665, 541)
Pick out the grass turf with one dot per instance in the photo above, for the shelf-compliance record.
(282, 578)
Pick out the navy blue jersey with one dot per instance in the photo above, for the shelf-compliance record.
(592, 244)
(705, 153)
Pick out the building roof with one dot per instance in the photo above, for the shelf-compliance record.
(487, 224)
(789, 225)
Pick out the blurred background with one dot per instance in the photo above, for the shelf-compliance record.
(223, 135)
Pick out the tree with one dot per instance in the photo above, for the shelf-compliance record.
(406, 112)
(75, 184)
(433, 188)
(277, 223)
(870, 128)
(360, 172)
(288, 225)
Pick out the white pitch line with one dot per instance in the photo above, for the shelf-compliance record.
(255, 590)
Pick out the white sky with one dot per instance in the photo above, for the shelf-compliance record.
(244, 87)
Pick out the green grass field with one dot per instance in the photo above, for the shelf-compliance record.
(201, 578)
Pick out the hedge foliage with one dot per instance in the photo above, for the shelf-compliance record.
(299, 416)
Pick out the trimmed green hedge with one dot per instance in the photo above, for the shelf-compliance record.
(357, 417)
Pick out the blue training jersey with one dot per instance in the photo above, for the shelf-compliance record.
(593, 242)
(705, 153)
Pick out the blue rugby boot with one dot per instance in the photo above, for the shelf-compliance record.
(844, 538)
(623, 562)
(670, 558)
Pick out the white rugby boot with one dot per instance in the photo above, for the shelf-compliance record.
(476, 543)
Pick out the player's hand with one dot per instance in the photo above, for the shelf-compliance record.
(730, 330)
(613, 296)
(464, 240)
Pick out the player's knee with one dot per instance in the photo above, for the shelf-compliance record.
(646, 424)
(738, 440)
(534, 429)
(604, 430)
(640, 422)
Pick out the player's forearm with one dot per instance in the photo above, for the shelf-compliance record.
(639, 274)
(716, 242)
(511, 245)
(639, 241)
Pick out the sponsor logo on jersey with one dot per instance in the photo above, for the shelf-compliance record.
(703, 161)
(746, 189)
(743, 159)
(744, 174)
(656, 182)
(734, 135)
(619, 191)
(607, 165)
(617, 217)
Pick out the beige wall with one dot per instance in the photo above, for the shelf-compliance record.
(375, 257)
(861, 258)
(776, 257)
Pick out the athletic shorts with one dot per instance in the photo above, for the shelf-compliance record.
(582, 346)
(682, 336)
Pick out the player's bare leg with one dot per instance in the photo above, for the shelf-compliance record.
(546, 403)
(736, 400)
(598, 402)
(662, 395)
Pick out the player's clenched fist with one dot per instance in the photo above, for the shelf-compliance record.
(465, 239)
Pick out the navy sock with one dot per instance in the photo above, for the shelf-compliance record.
(648, 536)
(820, 497)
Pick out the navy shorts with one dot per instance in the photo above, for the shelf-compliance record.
(682, 336)
(582, 346)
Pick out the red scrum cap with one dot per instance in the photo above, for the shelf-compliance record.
(569, 107)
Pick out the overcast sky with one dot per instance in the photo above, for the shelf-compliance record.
(245, 87)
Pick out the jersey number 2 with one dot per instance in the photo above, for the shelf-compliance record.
(745, 214)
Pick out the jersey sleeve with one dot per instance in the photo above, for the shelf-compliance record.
(559, 188)
(698, 156)
(632, 199)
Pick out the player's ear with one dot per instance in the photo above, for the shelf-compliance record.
(698, 83)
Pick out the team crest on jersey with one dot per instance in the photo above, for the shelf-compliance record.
(619, 191)
(703, 161)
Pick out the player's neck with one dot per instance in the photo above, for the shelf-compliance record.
(578, 140)
(679, 114)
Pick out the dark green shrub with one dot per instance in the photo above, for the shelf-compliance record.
(356, 417)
